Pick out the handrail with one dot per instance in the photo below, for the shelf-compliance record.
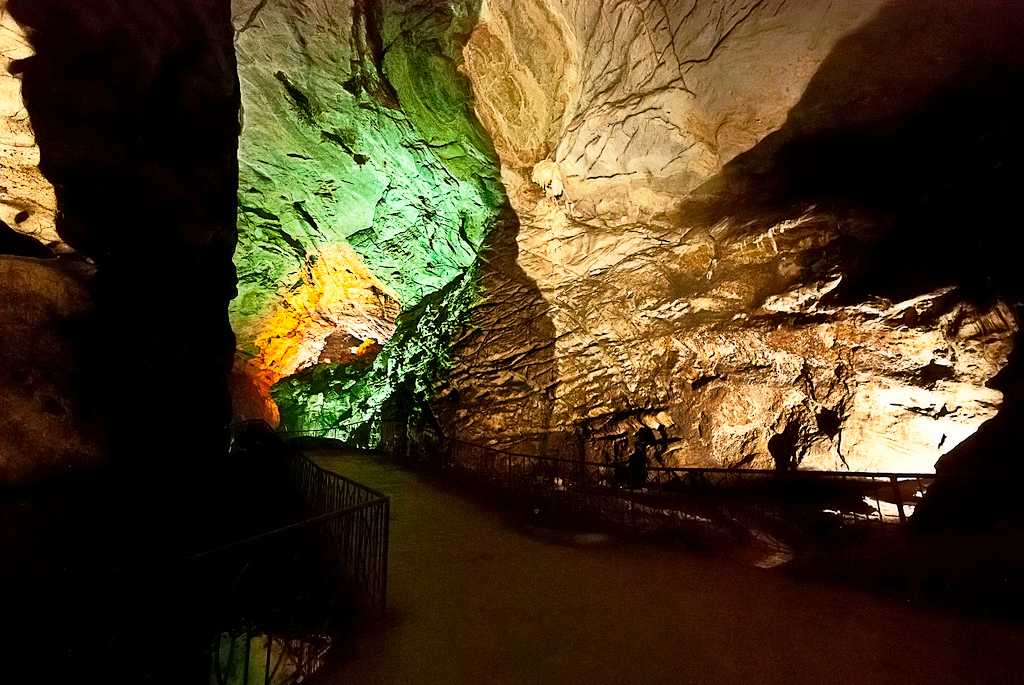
(879, 490)
(903, 475)
(705, 469)
(514, 465)
(343, 545)
(333, 474)
(304, 523)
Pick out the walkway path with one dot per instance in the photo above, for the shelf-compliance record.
(475, 599)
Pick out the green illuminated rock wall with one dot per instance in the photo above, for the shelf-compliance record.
(351, 399)
(359, 129)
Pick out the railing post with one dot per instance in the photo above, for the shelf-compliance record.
(384, 555)
(266, 665)
(899, 498)
(248, 646)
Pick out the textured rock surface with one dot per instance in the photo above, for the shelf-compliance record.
(27, 203)
(638, 103)
(683, 293)
(41, 410)
(875, 385)
(728, 220)
(361, 161)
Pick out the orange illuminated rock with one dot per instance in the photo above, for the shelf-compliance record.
(336, 296)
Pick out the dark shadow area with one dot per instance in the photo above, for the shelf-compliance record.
(20, 245)
(134, 106)
(109, 587)
(135, 110)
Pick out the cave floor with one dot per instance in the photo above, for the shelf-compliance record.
(476, 598)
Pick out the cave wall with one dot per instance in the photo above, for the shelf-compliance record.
(367, 188)
(742, 223)
(43, 434)
(27, 202)
(134, 108)
(741, 226)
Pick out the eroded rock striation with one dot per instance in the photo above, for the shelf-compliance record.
(27, 202)
(729, 221)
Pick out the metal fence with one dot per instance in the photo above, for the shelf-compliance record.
(609, 489)
(276, 603)
(359, 527)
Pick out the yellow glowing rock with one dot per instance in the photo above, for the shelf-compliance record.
(366, 345)
(335, 293)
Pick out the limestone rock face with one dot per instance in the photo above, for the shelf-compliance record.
(721, 339)
(638, 103)
(367, 188)
(725, 304)
(728, 220)
(27, 202)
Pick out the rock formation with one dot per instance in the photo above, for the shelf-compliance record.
(41, 409)
(367, 186)
(134, 108)
(726, 220)
(27, 202)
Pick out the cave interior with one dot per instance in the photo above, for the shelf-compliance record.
(729, 234)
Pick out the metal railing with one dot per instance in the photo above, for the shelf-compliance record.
(581, 486)
(334, 433)
(362, 542)
(275, 604)
(609, 491)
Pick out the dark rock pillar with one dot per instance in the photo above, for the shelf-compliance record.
(135, 107)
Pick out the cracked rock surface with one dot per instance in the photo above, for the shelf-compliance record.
(27, 202)
(691, 277)
(727, 220)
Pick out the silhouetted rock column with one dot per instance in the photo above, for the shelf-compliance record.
(135, 107)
